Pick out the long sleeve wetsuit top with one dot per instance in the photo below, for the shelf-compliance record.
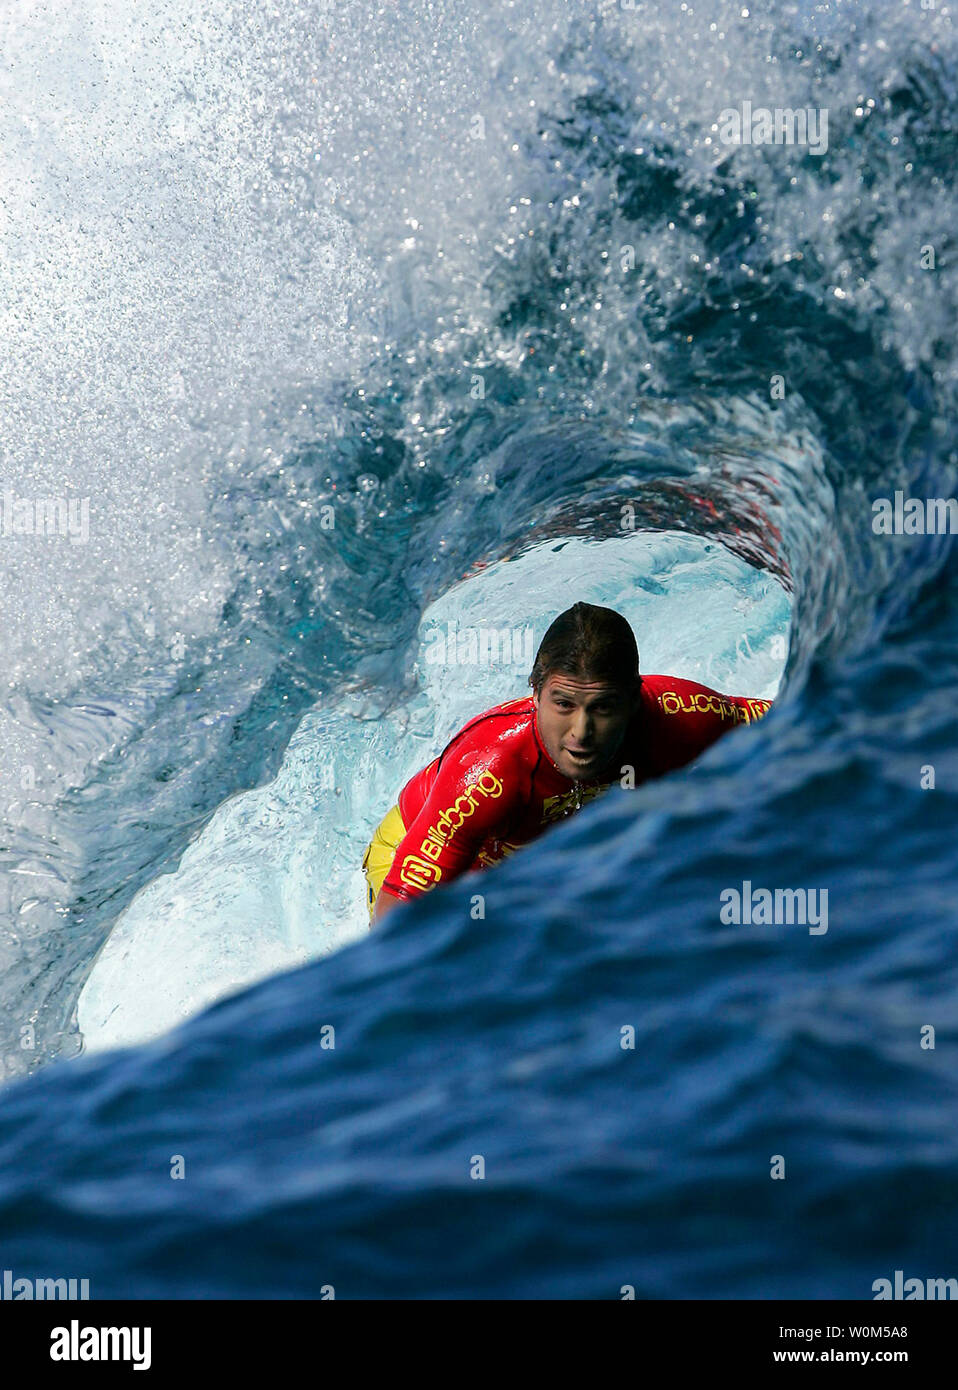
(494, 787)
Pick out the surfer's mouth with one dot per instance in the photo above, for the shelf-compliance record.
(586, 756)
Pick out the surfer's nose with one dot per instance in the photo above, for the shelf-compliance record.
(581, 729)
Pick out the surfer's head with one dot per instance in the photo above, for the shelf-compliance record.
(585, 683)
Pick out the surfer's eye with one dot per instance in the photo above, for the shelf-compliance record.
(604, 708)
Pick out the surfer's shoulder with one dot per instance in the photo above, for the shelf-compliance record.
(501, 735)
(661, 690)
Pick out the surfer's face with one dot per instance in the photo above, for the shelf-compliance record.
(582, 723)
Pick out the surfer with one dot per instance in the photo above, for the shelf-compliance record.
(510, 772)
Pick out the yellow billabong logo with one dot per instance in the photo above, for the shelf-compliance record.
(417, 873)
(700, 703)
(424, 873)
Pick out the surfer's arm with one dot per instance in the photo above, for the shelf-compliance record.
(469, 801)
(385, 902)
(750, 709)
(691, 716)
(706, 713)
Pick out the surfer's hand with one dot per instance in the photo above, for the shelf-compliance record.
(385, 903)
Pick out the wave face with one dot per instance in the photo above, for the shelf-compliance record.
(330, 315)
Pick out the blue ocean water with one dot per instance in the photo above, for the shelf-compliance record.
(482, 290)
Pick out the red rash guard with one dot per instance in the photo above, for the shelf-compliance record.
(494, 786)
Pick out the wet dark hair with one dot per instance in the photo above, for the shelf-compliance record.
(588, 643)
